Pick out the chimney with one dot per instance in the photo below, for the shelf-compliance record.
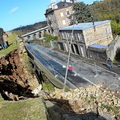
(75, 1)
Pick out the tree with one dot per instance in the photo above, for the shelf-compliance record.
(114, 26)
(49, 37)
(82, 13)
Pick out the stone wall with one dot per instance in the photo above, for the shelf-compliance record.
(59, 18)
(102, 35)
(54, 19)
(42, 42)
(97, 54)
(113, 47)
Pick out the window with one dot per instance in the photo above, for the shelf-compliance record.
(73, 37)
(79, 36)
(68, 35)
(68, 13)
(53, 16)
(63, 35)
(61, 14)
(49, 17)
(69, 21)
(63, 22)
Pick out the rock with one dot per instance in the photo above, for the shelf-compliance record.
(99, 104)
(105, 110)
(115, 101)
(100, 111)
(118, 92)
(112, 92)
(104, 82)
(37, 90)
(82, 109)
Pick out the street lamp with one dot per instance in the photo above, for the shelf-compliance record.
(68, 57)
(93, 21)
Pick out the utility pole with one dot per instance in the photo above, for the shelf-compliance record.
(69, 50)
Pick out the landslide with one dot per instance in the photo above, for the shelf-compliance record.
(14, 80)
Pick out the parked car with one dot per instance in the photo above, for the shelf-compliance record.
(29, 42)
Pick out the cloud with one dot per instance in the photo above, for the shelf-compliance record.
(13, 10)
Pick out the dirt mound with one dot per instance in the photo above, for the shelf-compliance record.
(13, 80)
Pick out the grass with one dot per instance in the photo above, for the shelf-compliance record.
(112, 108)
(28, 65)
(30, 109)
(107, 107)
(13, 45)
(117, 57)
(92, 97)
(47, 86)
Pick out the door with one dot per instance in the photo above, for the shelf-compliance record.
(82, 51)
(61, 46)
(66, 47)
(72, 49)
(76, 48)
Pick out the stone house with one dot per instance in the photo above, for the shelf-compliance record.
(57, 15)
(87, 37)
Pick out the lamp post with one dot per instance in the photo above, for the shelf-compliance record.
(93, 21)
(68, 58)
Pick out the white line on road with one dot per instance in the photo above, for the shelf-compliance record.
(65, 67)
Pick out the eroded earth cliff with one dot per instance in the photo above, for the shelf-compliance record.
(14, 79)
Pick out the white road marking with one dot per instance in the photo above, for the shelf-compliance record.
(65, 67)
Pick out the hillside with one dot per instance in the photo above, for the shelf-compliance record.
(109, 10)
(29, 28)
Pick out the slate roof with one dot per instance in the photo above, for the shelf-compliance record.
(48, 10)
(82, 26)
(98, 46)
(60, 6)
(64, 4)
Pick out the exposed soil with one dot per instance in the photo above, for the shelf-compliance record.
(13, 79)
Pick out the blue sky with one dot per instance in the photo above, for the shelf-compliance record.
(16, 13)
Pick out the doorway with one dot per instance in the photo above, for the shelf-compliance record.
(83, 51)
(76, 49)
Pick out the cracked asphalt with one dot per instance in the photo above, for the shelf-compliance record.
(85, 68)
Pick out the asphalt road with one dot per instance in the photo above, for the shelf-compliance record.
(86, 74)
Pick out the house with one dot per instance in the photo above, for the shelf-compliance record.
(57, 15)
(86, 36)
